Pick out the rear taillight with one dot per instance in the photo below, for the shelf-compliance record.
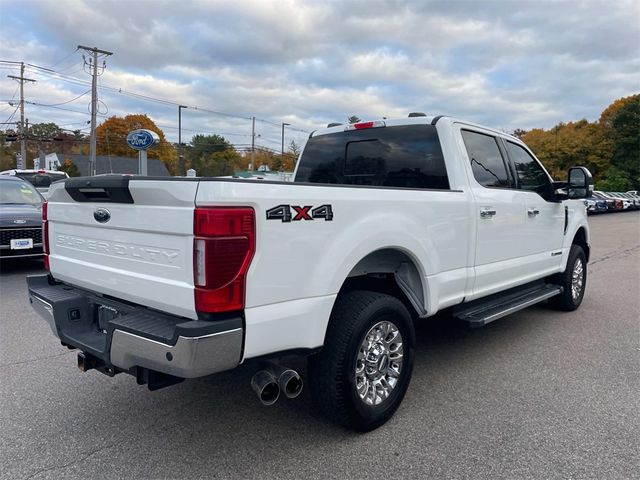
(45, 234)
(223, 246)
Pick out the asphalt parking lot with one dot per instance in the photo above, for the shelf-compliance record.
(539, 394)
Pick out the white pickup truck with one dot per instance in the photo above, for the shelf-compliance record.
(386, 222)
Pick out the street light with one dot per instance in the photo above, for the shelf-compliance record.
(282, 149)
(181, 164)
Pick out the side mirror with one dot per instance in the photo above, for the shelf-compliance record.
(580, 184)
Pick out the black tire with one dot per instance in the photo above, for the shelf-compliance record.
(566, 301)
(332, 370)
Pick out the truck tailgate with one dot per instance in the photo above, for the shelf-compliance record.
(143, 251)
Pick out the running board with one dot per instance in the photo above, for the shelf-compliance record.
(483, 311)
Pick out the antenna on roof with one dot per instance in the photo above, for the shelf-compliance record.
(333, 124)
(417, 114)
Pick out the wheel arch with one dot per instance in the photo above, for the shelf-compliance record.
(391, 270)
(580, 238)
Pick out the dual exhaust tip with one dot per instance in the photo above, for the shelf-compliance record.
(268, 384)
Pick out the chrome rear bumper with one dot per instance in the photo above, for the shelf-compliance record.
(126, 336)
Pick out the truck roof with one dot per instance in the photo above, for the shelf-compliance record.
(419, 120)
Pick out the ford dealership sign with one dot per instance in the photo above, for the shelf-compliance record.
(142, 139)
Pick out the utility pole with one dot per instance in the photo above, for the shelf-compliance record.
(93, 62)
(282, 149)
(23, 133)
(253, 143)
(24, 144)
(181, 164)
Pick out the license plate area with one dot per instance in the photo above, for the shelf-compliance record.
(21, 243)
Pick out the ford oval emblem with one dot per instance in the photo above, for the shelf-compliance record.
(102, 215)
(142, 139)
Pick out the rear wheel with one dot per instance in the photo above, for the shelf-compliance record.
(362, 373)
(573, 280)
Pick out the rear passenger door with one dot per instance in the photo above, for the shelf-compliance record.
(498, 212)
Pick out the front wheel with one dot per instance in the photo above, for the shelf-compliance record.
(573, 280)
(362, 373)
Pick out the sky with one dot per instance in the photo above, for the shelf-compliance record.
(504, 64)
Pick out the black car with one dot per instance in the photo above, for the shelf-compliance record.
(20, 219)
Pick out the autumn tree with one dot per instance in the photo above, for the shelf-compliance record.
(9, 146)
(269, 158)
(609, 148)
(111, 139)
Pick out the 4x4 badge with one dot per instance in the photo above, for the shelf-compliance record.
(102, 215)
(284, 214)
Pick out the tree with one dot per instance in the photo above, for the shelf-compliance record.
(625, 136)
(43, 132)
(111, 139)
(519, 133)
(569, 144)
(290, 160)
(217, 164)
(9, 146)
(70, 168)
(201, 144)
(276, 164)
(616, 180)
(294, 149)
(353, 119)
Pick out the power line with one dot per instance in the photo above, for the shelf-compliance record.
(61, 108)
(63, 59)
(8, 120)
(140, 96)
(64, 103)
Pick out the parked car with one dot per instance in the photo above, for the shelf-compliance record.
(20, 219)
(627, 203)
(635, 203)
(595, 205)
(618, 202)
(41, 179)
(610, 203)
(635, 197)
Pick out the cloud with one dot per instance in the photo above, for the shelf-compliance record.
(531, 64)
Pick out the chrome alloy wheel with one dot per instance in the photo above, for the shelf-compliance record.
(577, 279)
(379, 363)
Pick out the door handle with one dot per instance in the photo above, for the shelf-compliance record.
(487, 213)
(532, 212)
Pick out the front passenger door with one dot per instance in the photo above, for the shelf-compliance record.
(544, 220)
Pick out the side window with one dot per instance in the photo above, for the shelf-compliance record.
(531, 176)
(406, 156)
(487, 163)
